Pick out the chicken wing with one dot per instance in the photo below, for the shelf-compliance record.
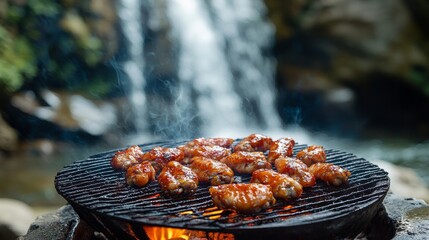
(211, 171)
(159, 156)
(312, 154)
(242, 197)
(295, 169)
(126, 158)
(213, 152)
(221, 142)
(282, 147)
(176, 179)
(140, 174)
(253, 143)
(283, 186)
(330, 173)
(246, 162)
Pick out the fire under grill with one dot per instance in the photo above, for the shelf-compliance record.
(100, 195)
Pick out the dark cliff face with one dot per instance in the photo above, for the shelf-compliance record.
(375, 50)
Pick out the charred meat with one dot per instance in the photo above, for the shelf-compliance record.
(254, 143)
(213, 152)
(176, 179)
(126, 158)
(211, 171)
(221, 142)
(242, 197)
(246, 162)
(283, 186)
(159, 156)
(140, 174)
(282, 147)
(312, 154)
(295, 169)
(330, 173)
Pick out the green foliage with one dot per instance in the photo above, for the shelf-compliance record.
(16, 61)
(44, 7)
(41, 46)
(420, 79)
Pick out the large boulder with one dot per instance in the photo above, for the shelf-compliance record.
(15, 218)
(8, 136)
(63, 116)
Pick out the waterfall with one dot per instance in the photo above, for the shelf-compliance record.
(221, 81)
(129, 12)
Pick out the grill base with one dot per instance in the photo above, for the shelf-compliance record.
(336, 229)
(388, 223)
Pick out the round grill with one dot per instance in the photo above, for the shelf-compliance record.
(100, 195)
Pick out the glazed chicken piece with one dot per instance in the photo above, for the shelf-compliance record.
(283, 186)
(221, 142)
(312, 154)
(295, 169)
(140, 174)
(176, 179)
(211, 171)
(243, 197)
(159, 156)
(126, 158)
(330, 173)
(213, 152)
(282, 147)
(246, 162)
(254, 143)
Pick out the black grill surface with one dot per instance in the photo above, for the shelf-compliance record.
(100, 195)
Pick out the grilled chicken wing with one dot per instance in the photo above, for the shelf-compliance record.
(140, 174)
(282, 147)
(243, 197)
(213, 152)
(282, 185)
(126, 158)
(312, 154)
(246, 162)
(159, 156)
(211, 171)
(295, 169)
(221, 142)
(330, 173)
(176, 179)
(253, 143)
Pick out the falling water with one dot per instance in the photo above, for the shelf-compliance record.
(221, 47)
(129, 12)
(223, 78)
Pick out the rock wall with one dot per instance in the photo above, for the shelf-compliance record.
(375, 49)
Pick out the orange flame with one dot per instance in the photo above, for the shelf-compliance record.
(161, 233)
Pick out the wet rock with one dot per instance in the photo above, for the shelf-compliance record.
(374, 48)
(63, 224)
(404, 181)
(15, 218)
(8, 136)
(410, 215)
(64, 116)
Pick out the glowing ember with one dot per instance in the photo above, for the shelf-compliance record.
(162, 233)
(186, 212)
(158, 233)
(213, 215)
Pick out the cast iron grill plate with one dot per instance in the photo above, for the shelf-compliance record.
(94, 188)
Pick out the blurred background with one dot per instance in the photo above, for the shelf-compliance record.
(80, 77)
